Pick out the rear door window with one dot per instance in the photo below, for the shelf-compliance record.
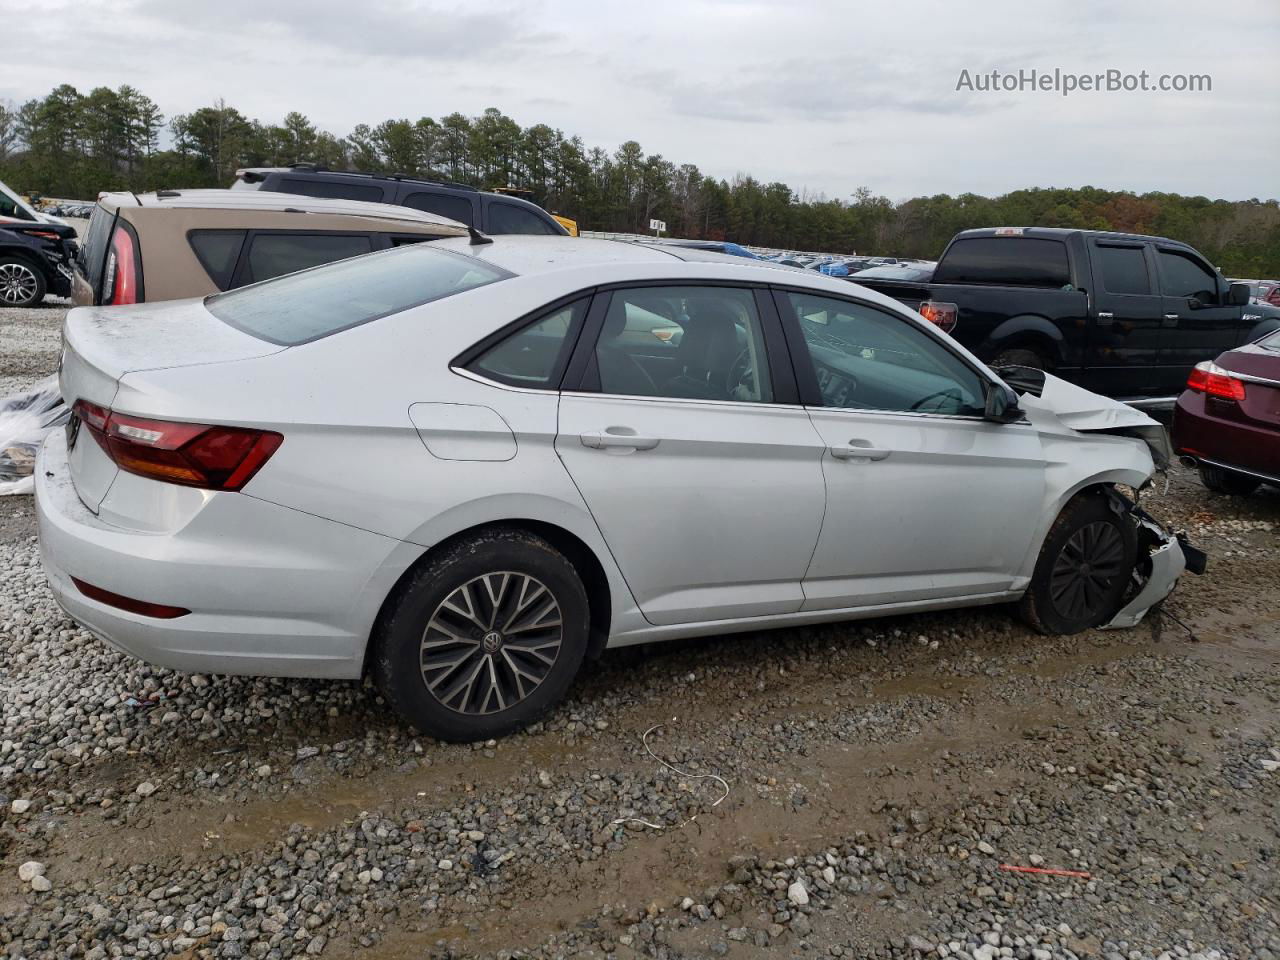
(306, 306)
(218, 251)
(308, 187)
(443, 205)
(1006, 261)
(1123, 269)
(508, 218)
(275, 254)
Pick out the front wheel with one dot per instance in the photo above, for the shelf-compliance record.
(1084, 566)
(1227, 481)
(21, 284)
(484, 638)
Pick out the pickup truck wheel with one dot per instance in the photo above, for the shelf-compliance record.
(1020, 358)
(1226, 481)
(1084, 566)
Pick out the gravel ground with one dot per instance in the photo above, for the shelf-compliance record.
(879, 777)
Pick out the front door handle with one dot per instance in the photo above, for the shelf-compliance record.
(1105, 318)
(1170, 320)
(858, 450)
(613, 438)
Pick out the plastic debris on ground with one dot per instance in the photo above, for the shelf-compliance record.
(25, 420)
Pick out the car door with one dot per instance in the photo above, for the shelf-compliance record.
(700, 468)
(925, 499)
(1199, 325)
(1128, 320)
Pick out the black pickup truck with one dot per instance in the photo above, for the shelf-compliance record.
(1123, 315)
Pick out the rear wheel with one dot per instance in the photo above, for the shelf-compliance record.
(1020, 358)
(1228, 481)
(484, 638)
(21, 284)
(1083, 569)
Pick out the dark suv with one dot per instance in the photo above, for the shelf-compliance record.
(488, 212)
(35, 259)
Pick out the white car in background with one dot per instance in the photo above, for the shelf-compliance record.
(463, 467)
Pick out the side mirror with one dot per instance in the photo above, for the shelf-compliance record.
(1002, 404)
(1238, 294)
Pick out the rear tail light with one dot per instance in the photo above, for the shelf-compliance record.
(1208, 377)
(121, 281)
(945, 316)
(158, 610)
(191, 454)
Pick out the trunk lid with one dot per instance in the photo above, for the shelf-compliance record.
(1261, 400)
(102, 344)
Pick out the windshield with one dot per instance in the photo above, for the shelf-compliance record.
(305, 306)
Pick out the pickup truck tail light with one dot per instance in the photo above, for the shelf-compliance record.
(1209, 378)
(122, 277)
(190, 454)
(945, 316)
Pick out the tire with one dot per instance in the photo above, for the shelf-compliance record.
(1088, 535)
(1228, 482)
(21, 283)
(447, 603)
(1020, 358)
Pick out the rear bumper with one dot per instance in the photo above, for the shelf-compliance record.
(1249, 448)
(272, 591)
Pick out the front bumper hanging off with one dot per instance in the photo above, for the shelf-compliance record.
(1157, 571)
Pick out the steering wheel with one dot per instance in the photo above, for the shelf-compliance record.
(741, 374)
(952, 393)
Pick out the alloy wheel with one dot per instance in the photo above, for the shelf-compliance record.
(491, 642)
(1086, 569)
(18, 283)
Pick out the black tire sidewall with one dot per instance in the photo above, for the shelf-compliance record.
(1226, 482)
(1079, 513)
(42, 286)
(398, 637)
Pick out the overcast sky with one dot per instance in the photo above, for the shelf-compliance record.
(825, 96)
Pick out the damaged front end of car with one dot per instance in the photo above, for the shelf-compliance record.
(1163, 555)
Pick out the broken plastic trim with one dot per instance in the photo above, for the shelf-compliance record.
(1156, 572)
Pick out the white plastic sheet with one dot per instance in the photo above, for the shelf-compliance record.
(25, 419)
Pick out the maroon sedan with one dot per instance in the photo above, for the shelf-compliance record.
(1227, 421)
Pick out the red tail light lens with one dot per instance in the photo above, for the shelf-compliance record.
(191, 454)
(942, 315)
(1212, 379)
(122, 282)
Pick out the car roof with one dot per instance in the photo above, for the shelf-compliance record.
(1059, 233)
(214, 199)
(526, 255)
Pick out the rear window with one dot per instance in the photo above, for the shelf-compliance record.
(1271, 341)
(302, 307)
(326, 188)
(1005, 261)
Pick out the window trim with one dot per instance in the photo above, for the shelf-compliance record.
(582, 378)
(461, 364)
(811, 393)
(1147, 263)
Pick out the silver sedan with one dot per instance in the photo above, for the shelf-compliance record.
(465, 467)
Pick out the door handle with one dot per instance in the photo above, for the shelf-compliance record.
(1104, 319)
(608, 439)
(1170, 320)
(858, 450)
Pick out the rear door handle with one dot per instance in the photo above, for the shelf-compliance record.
(1170, 320)
(1105, 318)
(613, 439)
(858, 450)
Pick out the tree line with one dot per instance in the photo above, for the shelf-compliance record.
(73, 145)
